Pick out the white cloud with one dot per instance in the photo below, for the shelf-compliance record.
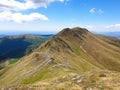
(92, 10)
(112, 26)
(15, 5)
(20, 18)
(100, 11)
(7, 7)
(89, 27)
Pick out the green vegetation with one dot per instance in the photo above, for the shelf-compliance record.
(12, 61)
(18, 46)
(40, 75)
(70, 60)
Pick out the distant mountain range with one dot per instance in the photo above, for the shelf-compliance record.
(113, 34)
(73, 59)
(18, 46)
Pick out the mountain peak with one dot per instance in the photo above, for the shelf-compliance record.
(80, 29)
(65, 31)
(75, 32)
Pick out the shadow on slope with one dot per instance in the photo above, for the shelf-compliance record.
(18, 46)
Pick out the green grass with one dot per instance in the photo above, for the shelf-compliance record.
(46, 74)
(98, 55)
(4, 70)
(38, 76)
(14, 60)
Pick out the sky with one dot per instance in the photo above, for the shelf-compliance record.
(51, 16)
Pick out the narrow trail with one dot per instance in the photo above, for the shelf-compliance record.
(39, 67)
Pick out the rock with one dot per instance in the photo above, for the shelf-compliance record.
(89, 88)
(79, 81)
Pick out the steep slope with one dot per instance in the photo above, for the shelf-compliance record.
(72, 51)
(83, 46)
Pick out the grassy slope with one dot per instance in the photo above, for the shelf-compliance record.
(68, 52)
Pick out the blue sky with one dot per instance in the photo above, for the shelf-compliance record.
(50, 16)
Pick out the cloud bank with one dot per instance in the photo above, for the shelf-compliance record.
(14, 5)
(20, 18)
(113, 26)
(10, 10)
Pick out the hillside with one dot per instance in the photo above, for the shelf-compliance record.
(18, 46)
(74, 58)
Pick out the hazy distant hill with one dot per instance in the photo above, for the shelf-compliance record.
(113, 34)
(19, 45)
(73, 59)
(2, 35)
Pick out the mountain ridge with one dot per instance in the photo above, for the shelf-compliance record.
(71, 51)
